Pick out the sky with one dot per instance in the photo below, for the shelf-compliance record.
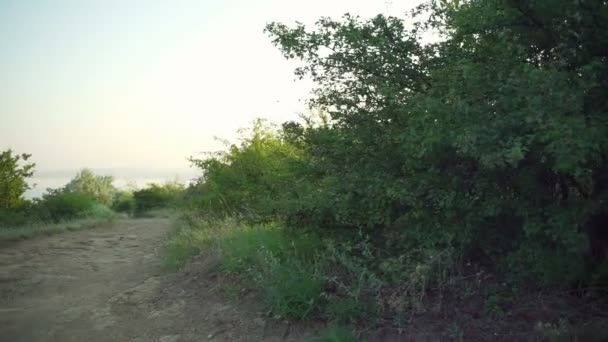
(147, 83)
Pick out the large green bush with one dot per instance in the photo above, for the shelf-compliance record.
(86, 195)
(124, 202)
(97, 186)
(254, 179)
(493, 141)
(63, 205)
(490, 143)
(157, 196)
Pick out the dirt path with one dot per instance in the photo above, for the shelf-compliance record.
(106, 284)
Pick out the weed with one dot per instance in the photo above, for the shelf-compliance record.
(183, 244)
(290, 288)
(558, 331)
(335, 333)
(36, 229)
(455, 332)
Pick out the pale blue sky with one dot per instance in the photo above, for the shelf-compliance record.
(146, 83)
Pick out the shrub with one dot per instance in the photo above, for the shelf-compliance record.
(61, 205)
(98, 210)
(14, 217)
(157, 196)
(183, 244)
(492, 141)
(124, 202)
(13, 177)
(488, 146)
(336, 333)
(282, 267)
(291, 287)
(98, 187)
(254, 180)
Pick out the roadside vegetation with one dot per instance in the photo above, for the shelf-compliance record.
(87, 201)
(455, 186)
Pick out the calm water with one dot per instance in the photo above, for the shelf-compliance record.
(122, 180)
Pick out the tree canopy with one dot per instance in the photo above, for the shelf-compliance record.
(491, 140)
(14, 171)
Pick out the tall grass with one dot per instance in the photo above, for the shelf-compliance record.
(97, 214)
(281, 267)
(295, 276)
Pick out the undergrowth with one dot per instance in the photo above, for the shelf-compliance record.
(304, 276)
(93, 217)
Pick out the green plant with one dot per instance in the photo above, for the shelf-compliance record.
(558, 331)
(13, 177)
(290, 288)
(32, 229)
(183, 244)
(124, 202)
(491, 141)
(157, 196)
(455, 332)
(98, 187)
(282, 267)
(254, 180)
(493, 305)
(61, 205)
(489, 145)
(335, 333)
(98, 210)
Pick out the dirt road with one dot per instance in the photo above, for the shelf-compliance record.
(106, 284)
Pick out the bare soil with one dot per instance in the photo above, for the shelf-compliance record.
(107, 284)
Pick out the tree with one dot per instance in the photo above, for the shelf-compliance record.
(493, 141)
(14, 170)
(100, 187)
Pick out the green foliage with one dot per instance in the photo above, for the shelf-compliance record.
(290, 287)
(124, 202)
(492, 141)
(32, 229)
(282, 266)
(16, 217)
(63, 205)
(157, 196)
(185, 242)
(86, 196)
(99, 211)
(253, 179)
(99, 187)
(488, 145)
(13, 177)
(241, 247)
(335, 333)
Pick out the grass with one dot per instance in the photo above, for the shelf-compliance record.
(289, 272)
(183, 243)
(302, 277)
(156, 213)
(336, 333)
(37, 229)
(93, 217)
(191, 237)
(282, 268)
